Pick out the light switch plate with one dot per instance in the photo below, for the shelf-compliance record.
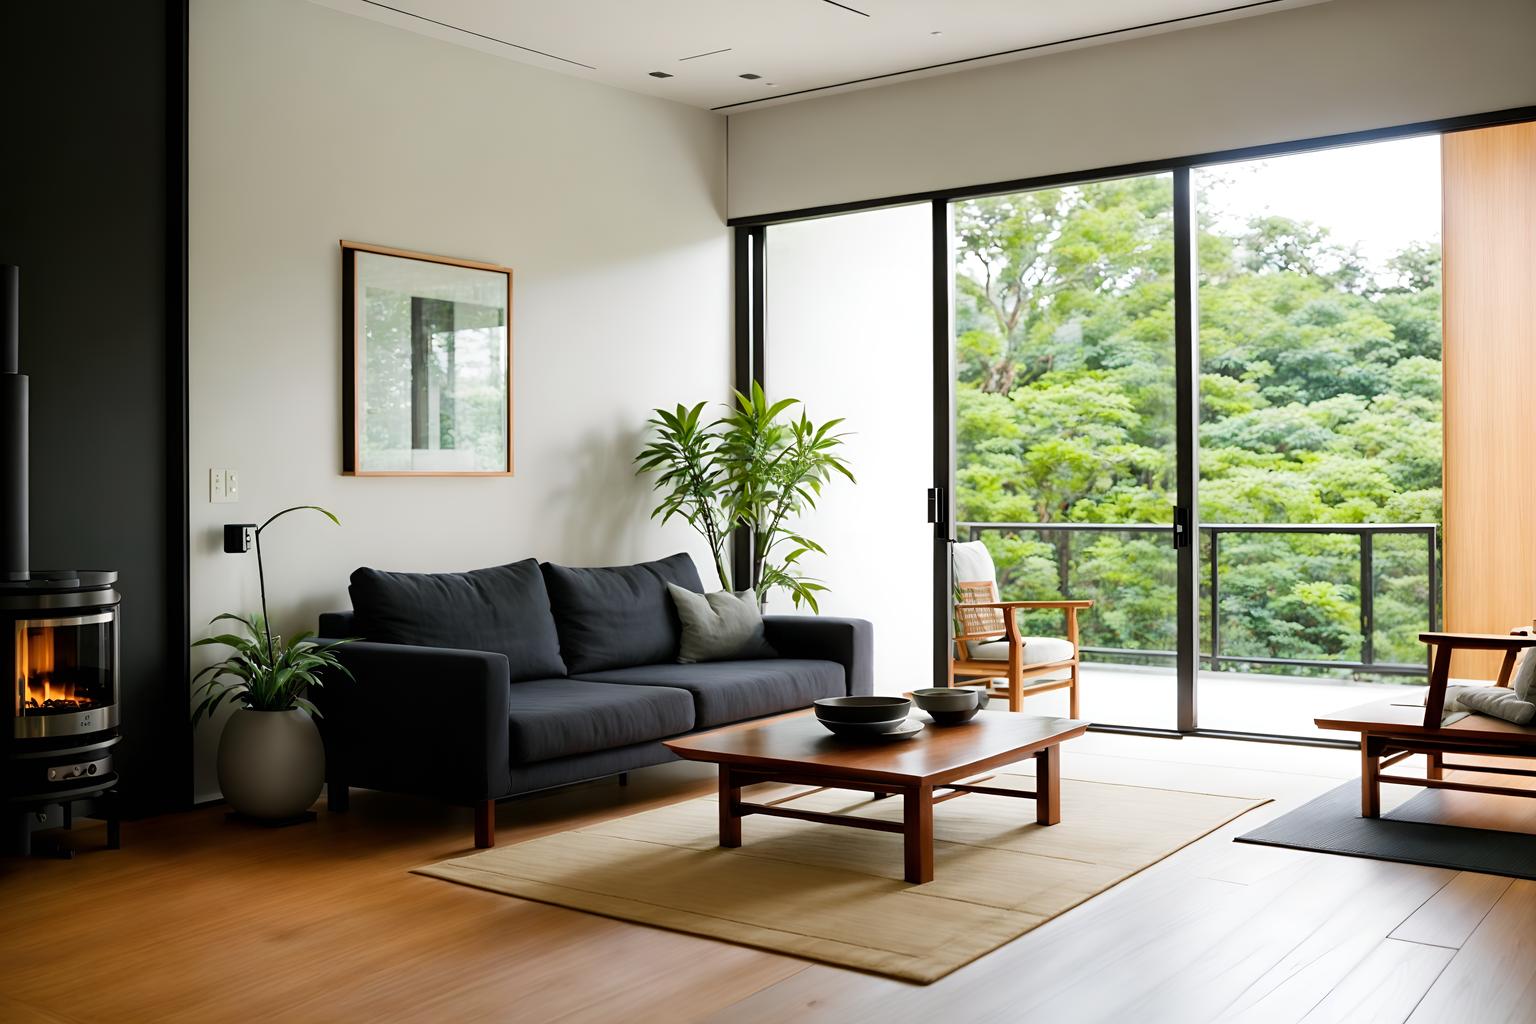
(223, 486)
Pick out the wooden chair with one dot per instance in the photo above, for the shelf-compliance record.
(989, 645)
(1394, 729)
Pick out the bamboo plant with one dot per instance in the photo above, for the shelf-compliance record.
(754, 470)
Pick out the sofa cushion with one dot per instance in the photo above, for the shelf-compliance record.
(729, 691)
(618, 616)
(559, 717)
(504, 610)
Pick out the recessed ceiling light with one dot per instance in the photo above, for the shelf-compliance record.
(935, 33)
(750, 78)
(659, 74)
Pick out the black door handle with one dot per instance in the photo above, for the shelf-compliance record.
(1181, 519)
(936, 512)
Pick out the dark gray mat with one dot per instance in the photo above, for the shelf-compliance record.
(1332, 824)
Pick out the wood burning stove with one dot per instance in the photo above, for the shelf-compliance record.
(58, 648)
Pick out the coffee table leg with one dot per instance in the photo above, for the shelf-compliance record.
(730, 808)
(1048, 785)
(918, 835)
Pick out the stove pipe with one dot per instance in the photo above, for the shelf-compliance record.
(13, 431)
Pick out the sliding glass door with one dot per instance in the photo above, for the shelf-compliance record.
(1066, 427)
(1320, 457)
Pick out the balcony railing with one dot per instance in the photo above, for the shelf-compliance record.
(1212, 535)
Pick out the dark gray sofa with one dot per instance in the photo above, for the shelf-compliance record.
(475, 687)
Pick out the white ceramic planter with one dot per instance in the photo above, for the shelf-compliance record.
(271, 763)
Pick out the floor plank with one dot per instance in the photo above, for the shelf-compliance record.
(1335, 946)
(1492, 978)
(1385, 987)
(1450, 915)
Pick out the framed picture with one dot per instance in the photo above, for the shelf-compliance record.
(426, 355)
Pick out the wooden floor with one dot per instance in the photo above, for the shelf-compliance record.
(198, 919)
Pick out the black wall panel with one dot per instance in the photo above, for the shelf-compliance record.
(91, 202)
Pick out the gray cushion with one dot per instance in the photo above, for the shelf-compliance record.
(729, 691)
(1524, 681)
(504, 609)
(1496, 701)
(560, 717)
(721, 626)
(618, 616)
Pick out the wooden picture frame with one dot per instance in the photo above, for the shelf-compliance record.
(417, 455)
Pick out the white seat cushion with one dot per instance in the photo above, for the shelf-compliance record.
(973, 563)
(1038, 650)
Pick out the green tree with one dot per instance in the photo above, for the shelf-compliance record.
(1319, 397)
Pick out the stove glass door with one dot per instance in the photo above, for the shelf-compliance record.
(64, 666)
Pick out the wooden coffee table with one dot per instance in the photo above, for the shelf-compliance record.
(800, 751)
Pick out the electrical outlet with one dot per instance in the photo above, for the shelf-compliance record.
(223, 486)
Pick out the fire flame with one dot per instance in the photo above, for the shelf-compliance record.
(37, 687)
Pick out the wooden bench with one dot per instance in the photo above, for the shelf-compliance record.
(1398, 728)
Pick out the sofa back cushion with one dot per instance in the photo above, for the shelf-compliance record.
(504, 609)
(618, 616)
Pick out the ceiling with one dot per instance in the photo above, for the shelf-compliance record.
(797, 47)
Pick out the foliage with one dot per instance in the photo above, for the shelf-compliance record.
(1319, 403)
(684, 457)
(754, 469)
(264, 673)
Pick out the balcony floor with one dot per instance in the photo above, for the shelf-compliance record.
(1234, 701)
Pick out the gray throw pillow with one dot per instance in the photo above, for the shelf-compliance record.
(1497, 701)
(1524, 681)
(719, 627)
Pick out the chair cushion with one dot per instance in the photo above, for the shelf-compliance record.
(1523, 681)
(618, 616)
(730, 691)
(504, 610)
(1038, 650)
(1498, 701)
(560, 717)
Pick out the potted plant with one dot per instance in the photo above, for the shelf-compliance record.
(271, 761)
(755, 470)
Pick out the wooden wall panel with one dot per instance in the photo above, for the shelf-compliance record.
(1490, 383)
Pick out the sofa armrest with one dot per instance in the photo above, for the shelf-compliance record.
(849, 642)
(426, 720)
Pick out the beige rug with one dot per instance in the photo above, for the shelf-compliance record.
(836, 894)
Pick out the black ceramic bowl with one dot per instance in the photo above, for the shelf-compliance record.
(950, 705)
(863, 710)
(946, 698)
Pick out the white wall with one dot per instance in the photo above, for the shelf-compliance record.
(850, 315)
(1341, 66)
(309, 126)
